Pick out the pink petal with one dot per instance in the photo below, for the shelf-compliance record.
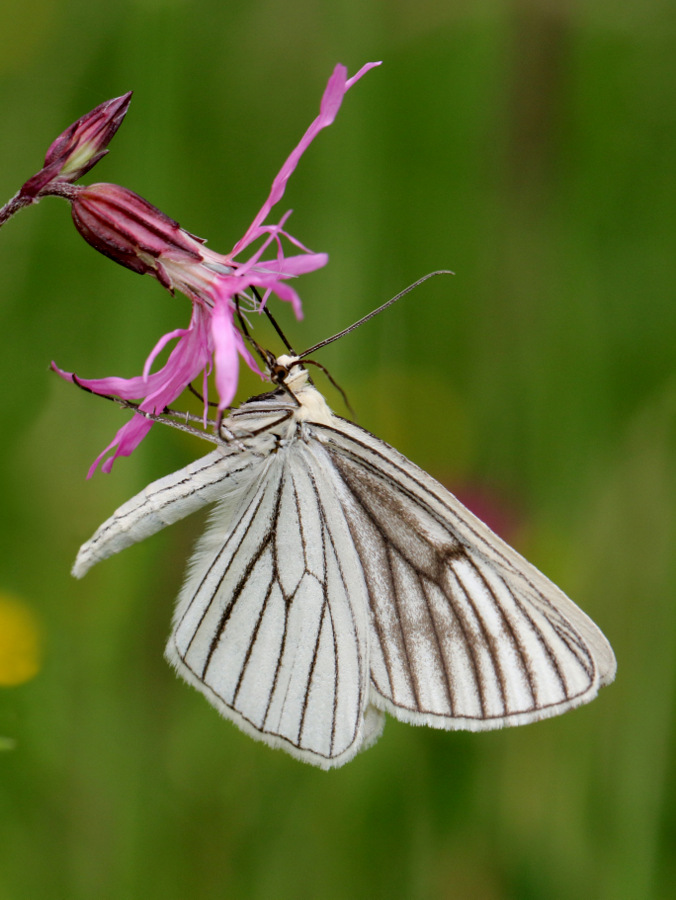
(245, 353)
(159, 347)
(286, 292)
(125, 442)
(297, 265)
(329, 106)
(126, 388)
(225, 353)
(364, 69)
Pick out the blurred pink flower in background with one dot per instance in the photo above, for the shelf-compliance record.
(494, 507)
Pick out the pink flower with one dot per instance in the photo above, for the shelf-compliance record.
(134, 233)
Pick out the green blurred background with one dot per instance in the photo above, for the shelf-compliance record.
(528, 146)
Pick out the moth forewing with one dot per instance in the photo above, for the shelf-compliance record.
(272, 623)
(464, 627)
(161, 503)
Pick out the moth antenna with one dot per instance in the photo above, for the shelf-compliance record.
(263, 354)
(313, 362)
(272, 321)
(375, 312)
(277, 373)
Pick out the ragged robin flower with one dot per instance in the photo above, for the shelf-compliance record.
(134, 233)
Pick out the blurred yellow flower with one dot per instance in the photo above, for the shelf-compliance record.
(20, 642)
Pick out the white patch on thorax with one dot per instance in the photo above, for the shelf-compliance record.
(313, 407)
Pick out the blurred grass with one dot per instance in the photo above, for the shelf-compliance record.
(527, 146)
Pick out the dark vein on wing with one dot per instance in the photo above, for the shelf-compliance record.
(522, 655)
(375, 617)
(241, 584)
(214, 562)
(330, 540)
(252, 642)
(378, 628)
(399, 590)
(273, 688)
(156, 505)
(465, 628)
(437, 639)
(488, 640)
(543, 642)
(386, 543)
(227, 612)
(274, 522)
(310, 675)
(324, 536)
(308, 685)
(342, 446)
(574, 644)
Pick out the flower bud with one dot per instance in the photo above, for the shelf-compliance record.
(131, 231)
(79, 147)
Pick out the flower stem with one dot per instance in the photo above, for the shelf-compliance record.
(13, 206)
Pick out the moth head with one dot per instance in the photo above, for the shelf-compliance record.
(286, 370)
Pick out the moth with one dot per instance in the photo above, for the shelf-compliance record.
(337, 582)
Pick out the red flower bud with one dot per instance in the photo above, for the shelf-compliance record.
(79, 147)
(130, 230)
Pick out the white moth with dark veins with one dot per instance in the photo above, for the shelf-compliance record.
(338, 581)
